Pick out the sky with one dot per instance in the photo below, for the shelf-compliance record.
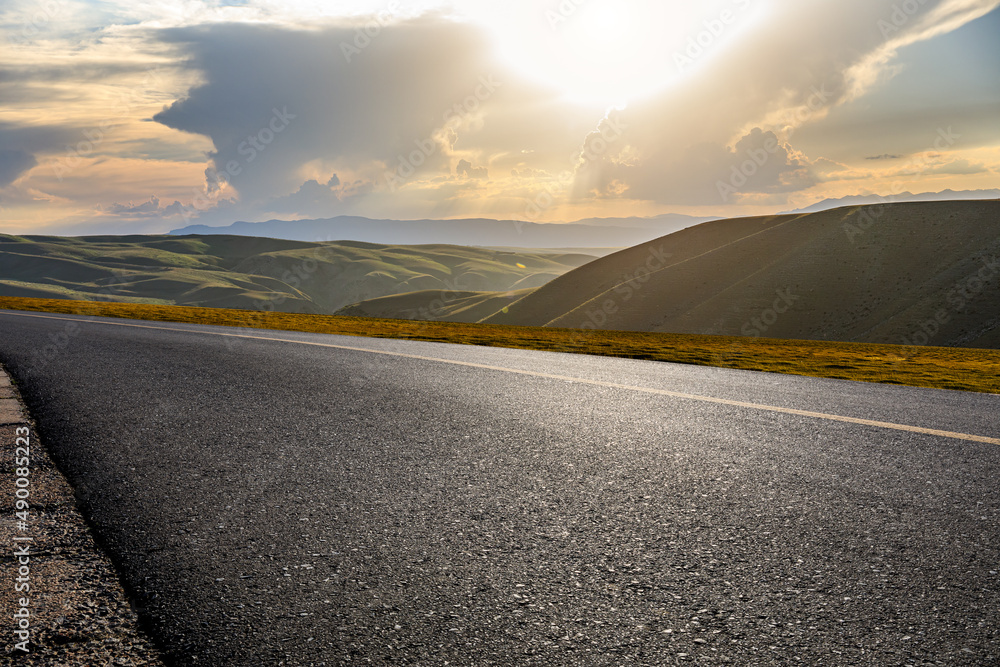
(121, 117)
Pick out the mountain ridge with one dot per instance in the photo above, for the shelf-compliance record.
(476, 232)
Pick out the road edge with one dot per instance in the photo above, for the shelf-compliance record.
(77, 612)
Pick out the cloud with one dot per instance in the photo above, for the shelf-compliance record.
(152, 205)
(312, 199)
(902, 24)
(146, 209)
(21, 143)
(830, 170)
(422, 117)
(961, 167)
(274, 99)
(465, 168)
(674, 148)
(703, 173)
(768, 164)
(13, 163)
(422, 96)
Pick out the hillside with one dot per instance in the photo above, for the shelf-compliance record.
(436, 305)
(921, 273)
(247, 272)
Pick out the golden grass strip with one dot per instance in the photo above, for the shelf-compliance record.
(938, 367)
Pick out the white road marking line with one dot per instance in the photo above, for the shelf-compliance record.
(598, 383)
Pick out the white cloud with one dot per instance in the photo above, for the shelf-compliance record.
(287, 95)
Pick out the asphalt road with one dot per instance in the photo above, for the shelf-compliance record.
(274, 502)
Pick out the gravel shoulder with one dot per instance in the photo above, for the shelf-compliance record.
(77, 610)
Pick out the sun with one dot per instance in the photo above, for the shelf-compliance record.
(603, 31)
(601, 52)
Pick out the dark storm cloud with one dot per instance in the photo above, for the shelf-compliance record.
(274, 98)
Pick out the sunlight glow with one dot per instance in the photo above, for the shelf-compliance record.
(604, 52)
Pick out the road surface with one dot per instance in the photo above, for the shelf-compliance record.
(299, 499)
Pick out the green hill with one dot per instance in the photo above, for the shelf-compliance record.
(258, 273)
(907, 273)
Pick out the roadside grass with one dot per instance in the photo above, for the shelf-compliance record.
(963, 369)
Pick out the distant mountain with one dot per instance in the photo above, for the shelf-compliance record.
(483, 232)
(258, 273)
(866, 200)
(907, 273)
(664, 221)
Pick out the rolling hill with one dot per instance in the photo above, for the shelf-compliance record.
(905, 273)
(258, 273)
